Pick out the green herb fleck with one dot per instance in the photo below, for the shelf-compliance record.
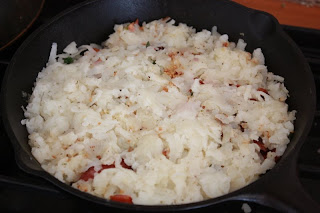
(191, 93)
(148, 44)
(126, 27)
(153, 61)
(161, 70)
(68, 60)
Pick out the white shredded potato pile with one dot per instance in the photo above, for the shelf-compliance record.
(158, 114)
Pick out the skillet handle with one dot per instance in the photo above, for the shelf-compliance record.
(283, 190)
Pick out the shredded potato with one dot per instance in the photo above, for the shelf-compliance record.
(158, 114)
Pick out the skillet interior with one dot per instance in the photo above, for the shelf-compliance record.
(93, 22)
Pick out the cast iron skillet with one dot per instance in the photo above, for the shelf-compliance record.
(93, 21)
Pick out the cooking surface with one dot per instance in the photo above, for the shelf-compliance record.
(21, 192)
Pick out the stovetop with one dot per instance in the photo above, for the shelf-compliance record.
(21, 192)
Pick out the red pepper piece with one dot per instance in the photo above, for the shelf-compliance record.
(261, 145)
(165, 152)
(121, 198)
(263, 90)
(96, 49)
(106, 167)
(124, 165)
(264, 154)
(89, 174)
(272, 150)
